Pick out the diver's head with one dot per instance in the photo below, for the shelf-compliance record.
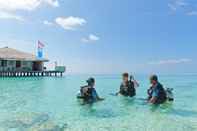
(153, 79)
(125, 77)
(91, 82)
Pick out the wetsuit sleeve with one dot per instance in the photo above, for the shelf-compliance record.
(121, 89)
(149, 92)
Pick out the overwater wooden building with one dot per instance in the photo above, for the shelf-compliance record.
(17, 63)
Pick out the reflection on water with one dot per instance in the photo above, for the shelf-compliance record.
(38, 122)
(99, 113)
(185, 113)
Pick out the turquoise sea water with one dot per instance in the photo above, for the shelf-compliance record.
(49, 104)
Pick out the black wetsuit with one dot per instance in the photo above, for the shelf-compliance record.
(128, 89)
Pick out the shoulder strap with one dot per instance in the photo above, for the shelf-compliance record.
(131, 84)
(84, 86)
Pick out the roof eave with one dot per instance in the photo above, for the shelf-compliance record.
(22, 59)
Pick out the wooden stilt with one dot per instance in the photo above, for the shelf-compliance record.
(30, 73)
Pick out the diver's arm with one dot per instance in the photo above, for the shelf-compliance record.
(80, 97)
(154, 95)
(100, 99)
(136, 83)
(153, 100)
(97, 96)
(119, 92)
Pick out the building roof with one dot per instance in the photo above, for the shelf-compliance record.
(7, 53)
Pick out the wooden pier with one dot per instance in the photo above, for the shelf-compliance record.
(31, 73)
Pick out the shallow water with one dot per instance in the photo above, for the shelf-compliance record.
(49, 104)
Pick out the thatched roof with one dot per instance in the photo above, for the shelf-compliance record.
(13, 54)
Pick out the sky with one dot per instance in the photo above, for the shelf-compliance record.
(105, 36)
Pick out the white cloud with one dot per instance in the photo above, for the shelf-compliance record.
(54, 3)
(13, 5)
(180, 3)
(93, 37)
(8, 8)
(90, 38)
(184, 5)
(176, 4)
(172, 7)
(192, 13)
(45, 22)
(70, 23)
(6, 15)
(170, 61)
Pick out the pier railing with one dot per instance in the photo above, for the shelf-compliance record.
(30, 73)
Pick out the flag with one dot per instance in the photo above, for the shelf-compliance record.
(40, 54)
(40, 45)
(40, 49)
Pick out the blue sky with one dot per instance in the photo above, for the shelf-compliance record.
(105, 36)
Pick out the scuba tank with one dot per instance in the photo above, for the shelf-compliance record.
(81, 92)
(170, 95)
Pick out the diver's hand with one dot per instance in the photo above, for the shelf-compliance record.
(101, 99)
(117, 93)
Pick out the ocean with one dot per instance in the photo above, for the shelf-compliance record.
(50, 104)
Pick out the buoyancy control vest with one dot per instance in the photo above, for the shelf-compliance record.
(128, 89)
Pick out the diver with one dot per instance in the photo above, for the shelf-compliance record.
(127, 88)
(156, 93)
(88, 93)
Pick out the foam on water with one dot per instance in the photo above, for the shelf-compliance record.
(49, 104)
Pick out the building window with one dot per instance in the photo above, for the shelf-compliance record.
(4, 63)
(11, 63)
(25, 63)
(18, 64)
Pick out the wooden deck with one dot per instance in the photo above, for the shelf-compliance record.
(30, 73)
